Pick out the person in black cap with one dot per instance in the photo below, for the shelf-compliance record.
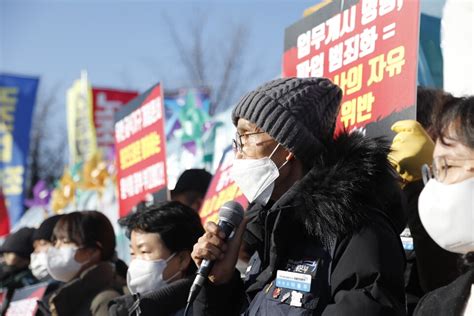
(16, 250)
(41, 243)
(191, 188)
(325, 213)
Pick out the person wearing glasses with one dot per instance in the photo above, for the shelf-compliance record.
(446, 205)
(412, 147)
(324, 217)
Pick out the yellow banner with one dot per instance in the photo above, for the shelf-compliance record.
(81, 131)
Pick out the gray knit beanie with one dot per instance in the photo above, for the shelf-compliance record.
(299, 113)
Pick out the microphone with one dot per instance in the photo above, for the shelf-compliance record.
(230, 217)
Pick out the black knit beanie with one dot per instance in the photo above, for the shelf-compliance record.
(45, 230)
(299, 113)
(19, 242)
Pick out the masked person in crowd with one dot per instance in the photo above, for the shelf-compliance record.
(84, 245)
(39, 260)
(14, 271)
(159, 276)
(329, 213)
(412, 147)
(191, 188)
(446, 205)
(41, 243)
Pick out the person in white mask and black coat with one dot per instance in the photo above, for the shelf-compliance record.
(41, 243)
(327, 213)
(161, 271)
(81, 257)
(39, 260)
(446, 206)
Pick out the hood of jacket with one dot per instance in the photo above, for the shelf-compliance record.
(348, 185)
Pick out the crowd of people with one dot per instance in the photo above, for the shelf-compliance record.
(321, 235)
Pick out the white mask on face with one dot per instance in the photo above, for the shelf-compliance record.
(147, 275)
(447, 213)
(61, 263)
(256, 177)
(38, 264)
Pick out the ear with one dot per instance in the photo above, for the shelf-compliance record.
(184, 260)
(290, 156)
(197, 204)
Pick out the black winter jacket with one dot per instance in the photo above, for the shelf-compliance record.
(448, 300)
(341, 225)
(167, 301)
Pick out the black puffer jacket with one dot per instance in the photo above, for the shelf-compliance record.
(341, 225)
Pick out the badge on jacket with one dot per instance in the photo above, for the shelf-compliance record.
(293, 281)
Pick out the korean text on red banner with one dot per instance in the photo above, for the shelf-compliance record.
(221, 190)
(367, 47)
(140, 149)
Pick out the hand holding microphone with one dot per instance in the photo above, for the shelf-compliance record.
(214, 254)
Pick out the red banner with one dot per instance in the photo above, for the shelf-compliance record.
(140, 144)
(4, 218)
(105, 103)
(221, 190)
(367, 47)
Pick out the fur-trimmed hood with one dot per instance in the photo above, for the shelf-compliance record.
(347, 186)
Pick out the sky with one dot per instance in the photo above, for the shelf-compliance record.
(126, 44)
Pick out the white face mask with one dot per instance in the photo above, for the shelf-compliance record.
(38, 264)
(61, 263)
(147, 275)
(256, 177)
(447, 213)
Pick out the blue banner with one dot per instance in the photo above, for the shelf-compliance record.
(17, 99)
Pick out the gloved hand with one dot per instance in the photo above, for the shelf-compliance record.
(411, 148)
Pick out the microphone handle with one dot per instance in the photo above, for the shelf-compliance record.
(227, 226)
(206, 265)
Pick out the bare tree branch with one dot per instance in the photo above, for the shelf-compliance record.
(201, 64)
(231, 67)
(183, 51)
(46, 158)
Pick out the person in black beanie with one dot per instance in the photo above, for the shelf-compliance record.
(16, 250)
(325, 214)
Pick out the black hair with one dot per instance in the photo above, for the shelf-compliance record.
(427, 101)
(190, 196)
(460, 112)
(90, 229)
(466, 262)
(178, 225)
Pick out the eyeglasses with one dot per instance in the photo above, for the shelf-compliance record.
(446, 170)
(249, 146)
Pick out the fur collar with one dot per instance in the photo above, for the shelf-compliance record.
(348, 184)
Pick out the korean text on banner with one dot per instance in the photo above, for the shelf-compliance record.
(367, 47)
(17, 99)
(105, 103)
(81, 131)
(140, 144)
(221, 190)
